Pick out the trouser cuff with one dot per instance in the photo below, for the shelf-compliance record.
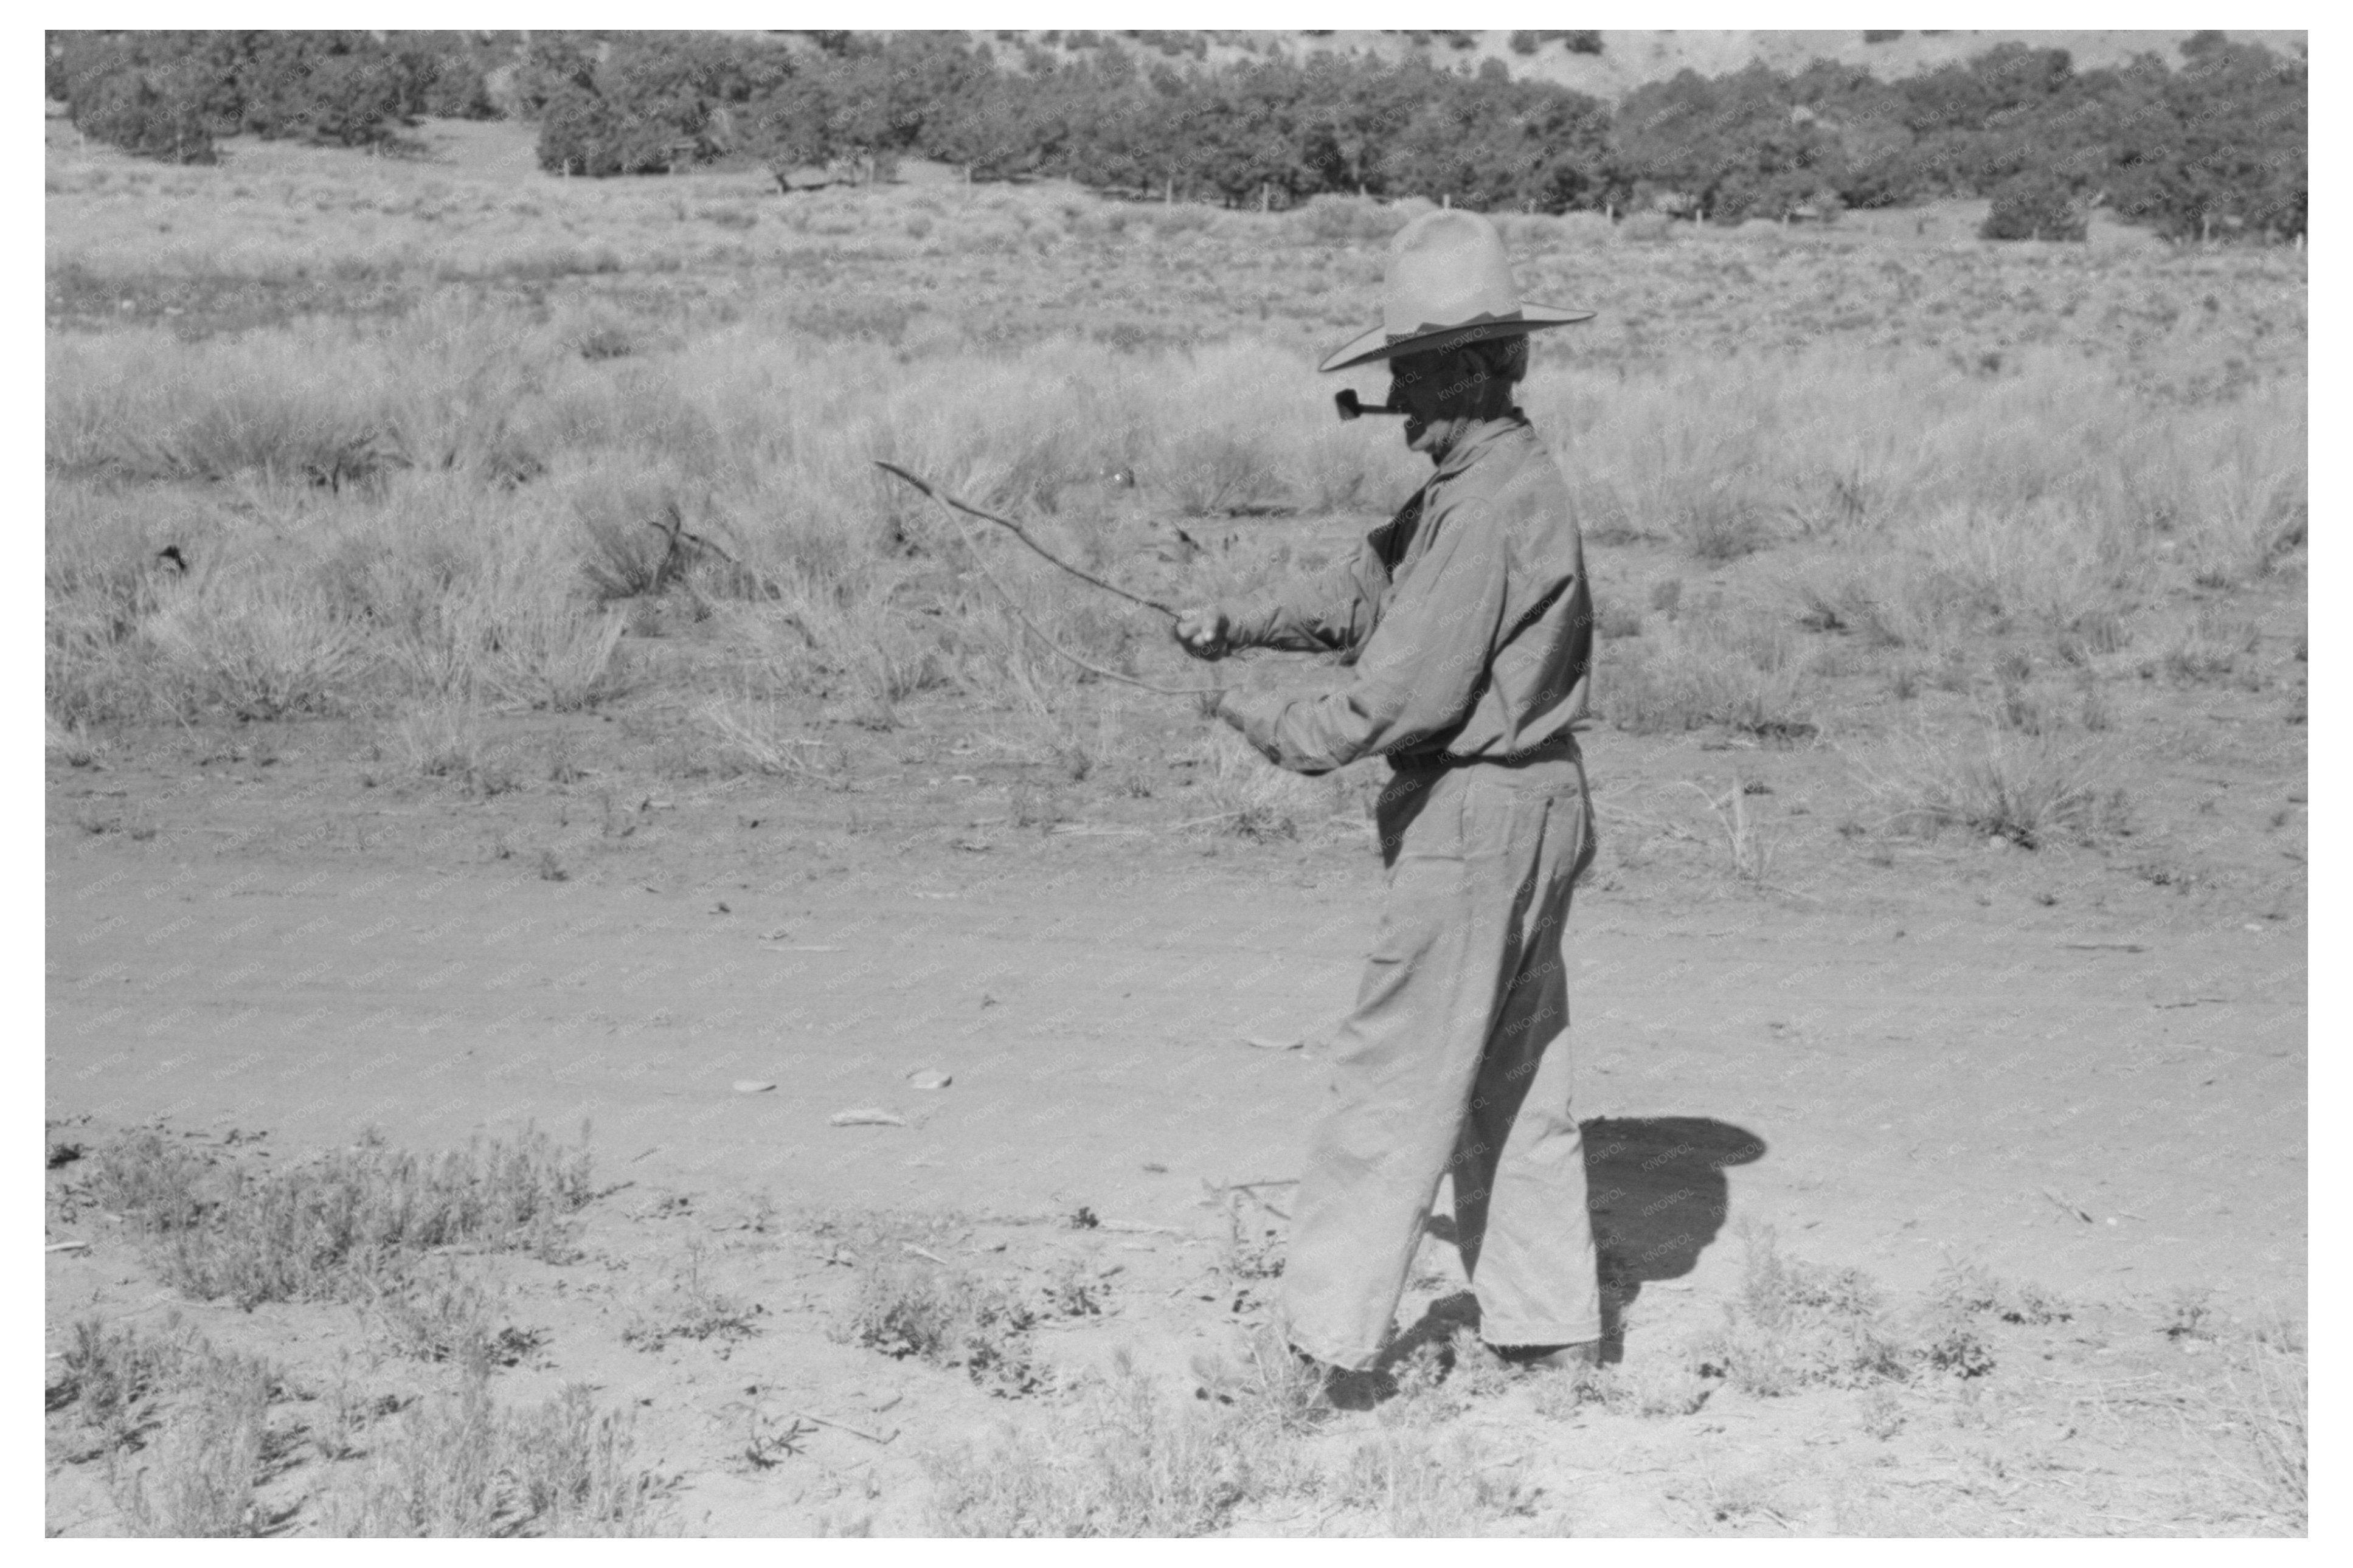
(1344, 1361)
(1563, 1333)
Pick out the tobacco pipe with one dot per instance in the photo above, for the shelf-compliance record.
(1353, 407)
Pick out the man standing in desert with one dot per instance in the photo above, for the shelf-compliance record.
(1469, 624)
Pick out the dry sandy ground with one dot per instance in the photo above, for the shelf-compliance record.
(1924, 1054)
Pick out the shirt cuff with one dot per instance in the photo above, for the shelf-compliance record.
(1248, 623)
(1255, 717)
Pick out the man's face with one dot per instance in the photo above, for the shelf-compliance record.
(1414, 386)
(1437, 391)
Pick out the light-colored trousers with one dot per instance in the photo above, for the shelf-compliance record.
(1456, 1062)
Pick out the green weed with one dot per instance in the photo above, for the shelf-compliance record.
(1796, 1324)
(1124, 1461)
(216, 1226)
(946, 1317)
(212, 1451)
(459, 1466)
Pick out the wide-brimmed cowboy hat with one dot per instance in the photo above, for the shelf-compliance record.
(1448, 283)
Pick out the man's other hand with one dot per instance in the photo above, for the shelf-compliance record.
(1203, 633)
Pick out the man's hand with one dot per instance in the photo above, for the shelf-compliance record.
(1203, 633)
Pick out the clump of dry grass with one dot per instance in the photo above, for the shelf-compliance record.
(1419, 1483)
(1749, 843)
(445, 740)
(2029, 790)
(2211, 645)
(72, 744)
(758, 736)
(1253, 798)
(1743, 674)
(258, 648)
(331, 1227)
(2267, 1403)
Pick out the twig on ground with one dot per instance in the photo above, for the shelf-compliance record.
(845, 1426)
(2077, 1210)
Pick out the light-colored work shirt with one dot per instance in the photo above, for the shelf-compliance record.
(1467, 614)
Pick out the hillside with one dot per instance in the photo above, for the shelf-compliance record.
(1725, 127)
(1633, 57)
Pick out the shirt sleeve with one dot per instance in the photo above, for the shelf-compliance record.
(1421, 670)
(1335, 608)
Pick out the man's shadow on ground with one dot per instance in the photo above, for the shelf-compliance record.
(1657, 1193)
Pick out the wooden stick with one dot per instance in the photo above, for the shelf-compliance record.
(1019, 532)
(844, 1426)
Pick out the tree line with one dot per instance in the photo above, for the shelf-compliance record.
(2213, 147)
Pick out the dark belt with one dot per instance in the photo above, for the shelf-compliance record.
(1557, 748)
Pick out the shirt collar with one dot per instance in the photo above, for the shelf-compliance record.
(1476, 441)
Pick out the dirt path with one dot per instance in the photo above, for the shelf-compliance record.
(1954, 1088)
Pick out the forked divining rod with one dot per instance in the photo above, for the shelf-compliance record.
(937, 494)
